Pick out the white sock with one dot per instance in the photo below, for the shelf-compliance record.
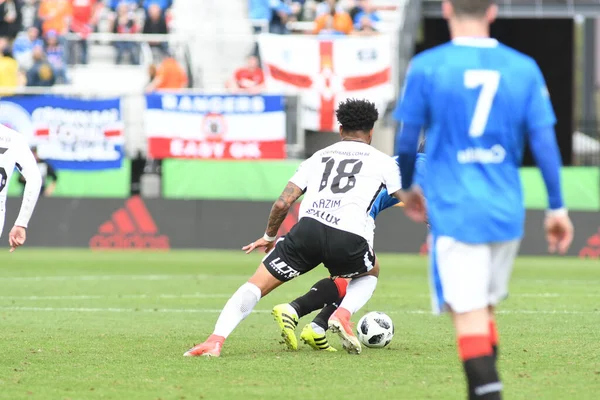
(238, 307)
(318, 330)
(291, 310)
(358, 293)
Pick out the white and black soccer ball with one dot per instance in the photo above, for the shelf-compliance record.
(375, 329)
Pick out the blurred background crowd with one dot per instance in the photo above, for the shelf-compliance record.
(40, 39)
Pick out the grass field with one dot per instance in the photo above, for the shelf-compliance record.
(82, 325)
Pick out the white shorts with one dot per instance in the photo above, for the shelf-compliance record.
(466, 277)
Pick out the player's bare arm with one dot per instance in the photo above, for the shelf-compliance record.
(279, 211)
(27, 166)
(280, 208)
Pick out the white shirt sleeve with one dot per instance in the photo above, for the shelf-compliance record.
(391, 176)
(301, 176)
(27, 166)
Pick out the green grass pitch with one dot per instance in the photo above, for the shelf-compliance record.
(83, 325)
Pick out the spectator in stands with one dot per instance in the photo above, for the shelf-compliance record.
(23, 47)
(55, 54)
(132, 4)
(335, 22)
(156, 24)
(41, 73)
(169, 75)
(11, 18)
(86, 14)
(55, 15)
(327, 6)
(125, 24)
(29, 12)
(260, 14)
(281, 13)
(365, 27)
(47, 171)
(164, 5)
(248, 79)
(366, 17)
(9, 70)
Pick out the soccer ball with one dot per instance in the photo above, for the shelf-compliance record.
(375, 329)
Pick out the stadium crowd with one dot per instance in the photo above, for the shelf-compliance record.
(328, 17)
(39, 39)
(331, 17)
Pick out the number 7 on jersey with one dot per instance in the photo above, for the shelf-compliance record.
(489, 81)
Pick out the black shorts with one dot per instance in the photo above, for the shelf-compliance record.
(310, 243)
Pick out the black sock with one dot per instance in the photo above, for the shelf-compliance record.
(322, 317)
(323, 292)
(482, 378)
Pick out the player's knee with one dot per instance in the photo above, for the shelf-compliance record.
(474, 322)
(264, 280)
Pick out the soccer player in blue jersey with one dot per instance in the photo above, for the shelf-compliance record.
(478, 101)
(328, 293)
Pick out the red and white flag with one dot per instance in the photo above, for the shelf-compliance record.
(327, 71)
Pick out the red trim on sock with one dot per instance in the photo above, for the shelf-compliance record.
(493, 333)
(474, 346)
(342, 285)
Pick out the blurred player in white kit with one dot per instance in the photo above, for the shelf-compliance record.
(14, 152)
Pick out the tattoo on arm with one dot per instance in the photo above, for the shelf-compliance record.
(280, 208)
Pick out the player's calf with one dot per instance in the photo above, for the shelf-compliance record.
(326, 291)
(476, 353)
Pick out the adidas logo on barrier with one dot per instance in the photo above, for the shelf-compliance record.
(592, 248)
(131, 227)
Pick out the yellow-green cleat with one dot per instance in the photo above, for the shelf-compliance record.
(315, 340)
(287, 319)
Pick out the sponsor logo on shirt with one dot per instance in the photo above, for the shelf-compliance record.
(324, 216)
(494, 155)
(326, 203)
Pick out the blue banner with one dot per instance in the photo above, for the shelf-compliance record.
(69, 133)
(216, 104)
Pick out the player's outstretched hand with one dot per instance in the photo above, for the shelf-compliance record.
(259, 244)
(414, 205)
(17, 237)
(559, 232)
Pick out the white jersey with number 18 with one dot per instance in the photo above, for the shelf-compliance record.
(14, 152)
(341, 183)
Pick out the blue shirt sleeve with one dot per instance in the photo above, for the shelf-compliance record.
(383, 201)
(412, 106)
(547, 156)
(539, 108)
(419, 178)
(406, 146)
(540, 120)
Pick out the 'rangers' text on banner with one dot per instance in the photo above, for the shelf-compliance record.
(325, 71)
(70, 133)
(215, 127)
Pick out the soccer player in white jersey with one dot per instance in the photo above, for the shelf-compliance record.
(340, 184)
(479, 101)
(14, 152)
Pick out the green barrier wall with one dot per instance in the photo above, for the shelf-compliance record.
(264, 180)
(113, 183)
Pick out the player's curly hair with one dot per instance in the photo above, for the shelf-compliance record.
(357, 115)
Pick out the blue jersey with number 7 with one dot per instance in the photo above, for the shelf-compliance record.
(477, 100)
